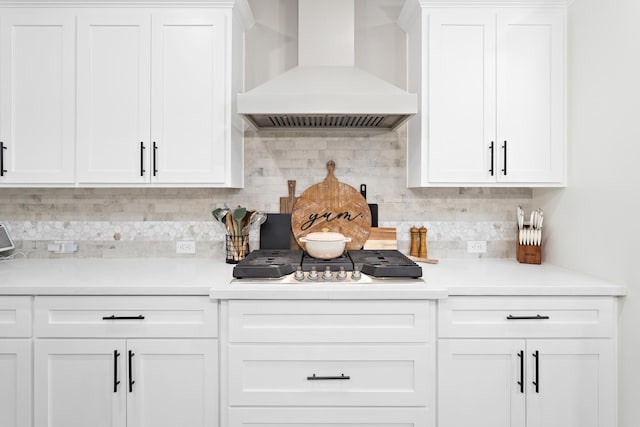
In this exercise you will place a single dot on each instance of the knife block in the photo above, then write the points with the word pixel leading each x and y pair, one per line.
pixel 528 254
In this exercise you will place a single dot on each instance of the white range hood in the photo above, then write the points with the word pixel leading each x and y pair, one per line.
pixel 326 90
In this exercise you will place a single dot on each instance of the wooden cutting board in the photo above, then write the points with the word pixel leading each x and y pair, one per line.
pixel 286 203
pixel 334 205
pixel 382 238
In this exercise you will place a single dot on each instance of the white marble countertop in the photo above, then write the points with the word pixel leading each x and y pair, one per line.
pixel 199 276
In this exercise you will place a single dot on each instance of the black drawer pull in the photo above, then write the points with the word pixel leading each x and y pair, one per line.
pixel 491 147
pixel 116 381
pixel 131 381
pixel 341 377
pixel 114 317
pixel 142 148
pixel 536 317
pixel 521 382
pixel 2 169
pixel 536 383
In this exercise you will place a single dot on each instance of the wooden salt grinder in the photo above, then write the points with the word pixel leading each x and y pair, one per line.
pixel 422 252
pixel 414 242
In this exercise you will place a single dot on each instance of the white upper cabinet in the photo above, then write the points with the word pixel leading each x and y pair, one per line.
pixel 154 99
pixel 141 94
pixel 37 78
pixel 188 99
pixel 491 83
pixel 114 93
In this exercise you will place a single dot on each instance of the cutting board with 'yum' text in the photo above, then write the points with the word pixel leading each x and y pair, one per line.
pixel 334 205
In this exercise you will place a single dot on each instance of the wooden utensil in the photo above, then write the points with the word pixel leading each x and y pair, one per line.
pixel 286 203
pixel 334 205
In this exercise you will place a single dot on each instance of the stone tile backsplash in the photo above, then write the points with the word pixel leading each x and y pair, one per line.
pixel 124 222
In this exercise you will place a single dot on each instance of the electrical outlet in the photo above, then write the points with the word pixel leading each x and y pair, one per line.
pixel 186 247
pixel 477 246
pixel 62 247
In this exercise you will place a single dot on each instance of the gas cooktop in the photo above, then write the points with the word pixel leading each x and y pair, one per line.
pixel 291 266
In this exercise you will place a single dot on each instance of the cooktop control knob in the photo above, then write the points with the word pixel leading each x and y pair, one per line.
pixel 356 273
pixel 313 274
pixel 328 275
pixel 342 275
pixel 299 274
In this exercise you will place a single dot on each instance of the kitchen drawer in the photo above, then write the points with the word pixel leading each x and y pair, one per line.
pixel 125 317
pixel 526 317
pixel 331 417
pixel 15 317
pixel 331 321
pixel 331 375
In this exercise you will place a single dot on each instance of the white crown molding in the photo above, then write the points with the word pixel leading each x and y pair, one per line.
pixel 491 3
pixel 241 5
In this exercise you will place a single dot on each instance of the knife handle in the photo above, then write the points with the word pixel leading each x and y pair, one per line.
pixel 363 190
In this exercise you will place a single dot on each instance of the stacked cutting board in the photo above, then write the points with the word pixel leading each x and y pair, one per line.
pixel 286 207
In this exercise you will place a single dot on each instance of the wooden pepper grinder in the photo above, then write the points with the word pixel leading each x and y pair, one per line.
pixel 414 241
pixel 422 252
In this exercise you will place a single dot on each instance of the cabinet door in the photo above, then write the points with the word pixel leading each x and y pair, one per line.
pixel 461 97
pixel 576 383
pixel 15 386
pixel 37 108
pixel 176 383
pixel 188 104
pixel 114 84
pixel 530 108
pixel 75 383
pixel 479 383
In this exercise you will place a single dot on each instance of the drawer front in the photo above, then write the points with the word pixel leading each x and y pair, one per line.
pixel 331 417
pixel 331 321
pixel 15 317
pixel 125 317
pixel 326 375
pixel 526 317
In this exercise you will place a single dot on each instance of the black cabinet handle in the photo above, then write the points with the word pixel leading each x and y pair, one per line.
pixel 504 148
pixel 155 150
pixel 115 371
pixel 341 377
pixel 114 317
pixel 491 147
pixel 536 317
pixel 521 382
pixel 131 381
pixel 2 169
pixel 536 383
pixel 142 148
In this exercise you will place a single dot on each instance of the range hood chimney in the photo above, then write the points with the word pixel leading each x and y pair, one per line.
pixel 326 90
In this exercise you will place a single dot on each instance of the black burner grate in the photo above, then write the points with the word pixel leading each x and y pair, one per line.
pixel 268 264
pixel 385 263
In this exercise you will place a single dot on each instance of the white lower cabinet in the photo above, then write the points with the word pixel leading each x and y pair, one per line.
pixel 117 381
pixel 328 363
pixel 329 375
pixel 330 417
pixel 526 380
pixel 15 361
pixel 15 386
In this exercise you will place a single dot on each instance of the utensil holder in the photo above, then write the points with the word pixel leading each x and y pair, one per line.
pixel 237 248
pixel 528 254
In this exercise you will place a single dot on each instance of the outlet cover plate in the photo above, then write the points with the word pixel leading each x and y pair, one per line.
pixel 186 247
pixel 477 246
